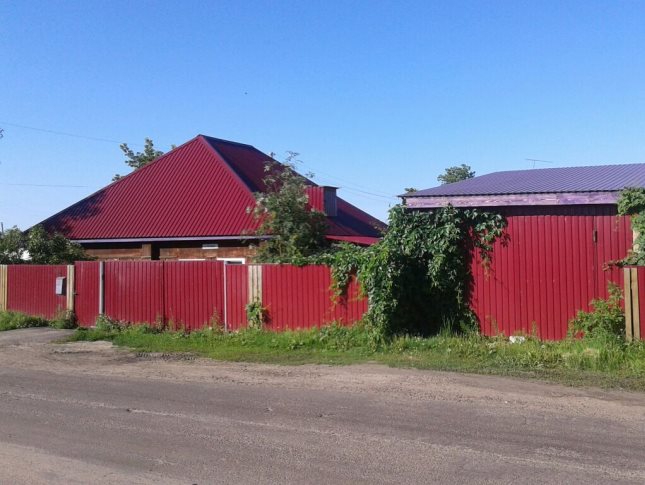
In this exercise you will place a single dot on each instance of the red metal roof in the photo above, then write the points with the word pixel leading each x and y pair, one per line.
pixel 200 189
pixel 360 240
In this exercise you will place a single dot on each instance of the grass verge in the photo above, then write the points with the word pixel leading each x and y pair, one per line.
pixel 16 320
pixel 603 362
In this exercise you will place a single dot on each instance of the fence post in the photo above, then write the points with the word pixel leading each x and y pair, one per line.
pixel 632 304
pixel 255 283
pixel 225 298
pixel 4 288
pixel 70 288
pixel 101 288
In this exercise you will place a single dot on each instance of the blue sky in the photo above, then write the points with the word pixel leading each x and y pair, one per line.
pixel 375 96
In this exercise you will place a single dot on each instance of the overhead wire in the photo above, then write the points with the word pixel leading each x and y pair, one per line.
pixel 63 133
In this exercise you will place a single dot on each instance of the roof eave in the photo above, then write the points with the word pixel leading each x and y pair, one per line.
pixel 503 200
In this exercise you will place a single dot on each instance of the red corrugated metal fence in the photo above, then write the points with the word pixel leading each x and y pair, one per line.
pixel 32 290
pixel 196 294
pixel 134 291
pixel 553 264
pixel 193 293
pixel 87 288
pixel 301 297
pixel 237 295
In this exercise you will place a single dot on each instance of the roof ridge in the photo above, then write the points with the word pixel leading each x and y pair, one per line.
pixel 230 142
pixel 226 161
pixel 559 168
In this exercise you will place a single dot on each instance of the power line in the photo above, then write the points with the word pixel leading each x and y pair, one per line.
pixel 538 160
pixel 345 182
pixel 63 133
pixel 46 185
pixel 369 193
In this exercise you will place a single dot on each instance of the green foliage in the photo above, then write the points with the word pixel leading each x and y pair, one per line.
pixel 417 278
pixel 139 159
pixel 606 321
pixel 15 320
pixel 256 315
pixel 632 203
pixel 37 247
pixel 295 230
pixel 44 248
pixel 65 319
pixel 456 174
pixel 13 244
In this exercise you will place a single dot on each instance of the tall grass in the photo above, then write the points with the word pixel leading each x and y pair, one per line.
pixel 16 320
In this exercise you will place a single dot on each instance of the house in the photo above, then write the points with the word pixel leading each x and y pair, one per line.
pixel 192 203
pixel 563 234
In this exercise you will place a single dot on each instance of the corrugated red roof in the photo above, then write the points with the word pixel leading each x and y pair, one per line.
pixel 200 189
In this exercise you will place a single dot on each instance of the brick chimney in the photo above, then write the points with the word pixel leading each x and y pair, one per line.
pixel 323 199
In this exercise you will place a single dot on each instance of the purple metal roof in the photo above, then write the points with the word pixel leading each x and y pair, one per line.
pixel 601 178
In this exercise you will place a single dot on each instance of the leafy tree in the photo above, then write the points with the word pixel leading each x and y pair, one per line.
pixel 410 190
pixel 295 230
pixel 37 247
pixel 140 159
pixel 456 174
pixel 12 246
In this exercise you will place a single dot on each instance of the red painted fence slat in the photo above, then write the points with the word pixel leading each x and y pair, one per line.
pixel 237 288
pixel 86 304
pixel 193 293
pixel 134 291
pixel 32 290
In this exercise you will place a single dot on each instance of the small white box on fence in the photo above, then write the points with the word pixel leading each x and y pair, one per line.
pixel 60 285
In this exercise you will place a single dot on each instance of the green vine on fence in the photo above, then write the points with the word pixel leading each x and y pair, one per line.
pixel 632 203
pixel 417 278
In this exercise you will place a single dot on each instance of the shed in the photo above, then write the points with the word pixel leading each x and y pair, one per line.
pixel 563 233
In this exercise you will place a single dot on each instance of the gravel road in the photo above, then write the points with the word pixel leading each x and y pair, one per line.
pixel 92 413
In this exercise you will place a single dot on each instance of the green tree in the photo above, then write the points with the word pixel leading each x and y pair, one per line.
pixel 294 230
pixel 37 247
pixel 12 246
pixel 456 174
pixel 140 159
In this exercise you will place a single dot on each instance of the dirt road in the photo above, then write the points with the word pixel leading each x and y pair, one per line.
pixel 91 413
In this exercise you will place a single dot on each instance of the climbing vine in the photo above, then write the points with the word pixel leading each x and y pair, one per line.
pixel 632 203
pixel 417 278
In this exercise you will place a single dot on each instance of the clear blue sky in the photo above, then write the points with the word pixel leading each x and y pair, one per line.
pixel 378 95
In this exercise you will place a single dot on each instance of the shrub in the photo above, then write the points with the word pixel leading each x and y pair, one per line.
pixel 606 321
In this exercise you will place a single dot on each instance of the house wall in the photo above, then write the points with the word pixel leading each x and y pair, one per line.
pixel 554 261
pixel 169 250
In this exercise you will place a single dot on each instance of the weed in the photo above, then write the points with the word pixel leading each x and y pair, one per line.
pixel 605 322
pixel 64 319
pixel 15 320
pixel 256 315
